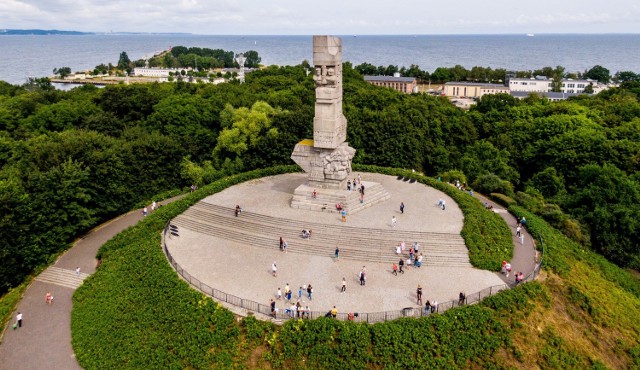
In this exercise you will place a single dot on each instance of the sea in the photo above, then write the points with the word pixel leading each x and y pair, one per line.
pixel 37 56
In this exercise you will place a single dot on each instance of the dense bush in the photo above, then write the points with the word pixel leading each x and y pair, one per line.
pixel 504 200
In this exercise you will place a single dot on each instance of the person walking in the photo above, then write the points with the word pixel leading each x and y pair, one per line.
pixel 78 271
pixel 153 206
pixel 274 269
pixel 281 243
pixel 393 221
pixel 279 293
pixel 394 269
pixel 419 294
pixel 337 253
pixel 309 291
pixel 443 205
pixel 145 211
pixel 300 293
pixel 401 264
pixel 273 308
pixel 344 215
pixel 402 207
pixel 19 319
pixel 344 285
pixel 461 298
pixel 48 298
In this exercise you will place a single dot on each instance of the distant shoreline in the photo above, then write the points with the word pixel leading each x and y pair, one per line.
pixel 38 32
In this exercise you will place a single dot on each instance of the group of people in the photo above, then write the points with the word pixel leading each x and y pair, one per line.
pixel 415 257
pixel 296 309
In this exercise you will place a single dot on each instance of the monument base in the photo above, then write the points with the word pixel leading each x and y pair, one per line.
pixel 325 200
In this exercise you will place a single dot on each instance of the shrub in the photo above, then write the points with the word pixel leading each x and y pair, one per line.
pixel 503 200
pixel 491 183
pixel 452 176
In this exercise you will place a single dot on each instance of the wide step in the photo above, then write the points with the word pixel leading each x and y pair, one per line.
pixel 62 277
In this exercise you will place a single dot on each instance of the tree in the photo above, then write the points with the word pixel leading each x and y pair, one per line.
pixel 558 76
pixel 248 127
pixel 253 59
pixel 588 89
pixel 598 73
pixel 124 61
pixel 625 76
pixel 62 72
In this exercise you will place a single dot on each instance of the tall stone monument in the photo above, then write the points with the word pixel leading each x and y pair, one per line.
pixel 327 158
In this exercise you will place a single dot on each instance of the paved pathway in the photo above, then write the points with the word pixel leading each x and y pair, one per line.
pixel 44 341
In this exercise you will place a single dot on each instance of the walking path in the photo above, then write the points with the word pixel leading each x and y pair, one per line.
pixel 44 340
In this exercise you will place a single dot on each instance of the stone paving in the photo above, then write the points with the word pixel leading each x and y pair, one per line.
pixel 244 270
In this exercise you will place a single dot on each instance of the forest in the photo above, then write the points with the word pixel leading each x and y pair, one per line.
pixel 70 160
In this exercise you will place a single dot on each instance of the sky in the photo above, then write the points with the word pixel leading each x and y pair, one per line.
pixel 345 17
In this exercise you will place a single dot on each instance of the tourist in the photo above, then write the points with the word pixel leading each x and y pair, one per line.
pixel 394 269
pixel 153 206
pixel 279 294
pixel 507 268
pixel 78 271
pixel 359 179
pixel 144 212
pixel 419 260
pixel 334 312
pixel 337 253
pixel 48 298
pixel 403 245
pixel 401 265
pixel 314 194
pixel 344 285
pixel 309 291
pixel 237 211
pixel 427 307
pixel 281 243
pixel 443 205
pixel 434 306
pixel 518 231
pixel 306 234
pixel 504 267
pixel 461 298
pixel 273 308
pixel 402 207
pixel 440 202
pixel 362 189
pixel 362 277
pixel 285 245
pixel 274 269
pixel 351 316
pixel 393 221
pixel 398 250
pixel 419 295
pixel 344 215
pixel 300 293
pixel 19 319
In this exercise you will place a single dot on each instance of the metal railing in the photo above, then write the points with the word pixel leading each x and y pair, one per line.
pixel 369 317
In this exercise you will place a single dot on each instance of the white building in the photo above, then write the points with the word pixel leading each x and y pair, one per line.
pixel 154 72
pixel 473 89
pixel 544 85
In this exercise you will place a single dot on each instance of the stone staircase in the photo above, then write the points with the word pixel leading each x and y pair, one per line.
pixel 374 245
pixel 326 199
pixel 62 277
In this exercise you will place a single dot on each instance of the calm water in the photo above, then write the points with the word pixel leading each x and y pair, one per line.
pixel 38 55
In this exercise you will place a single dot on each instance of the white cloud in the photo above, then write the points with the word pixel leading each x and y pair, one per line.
pixel 330 16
